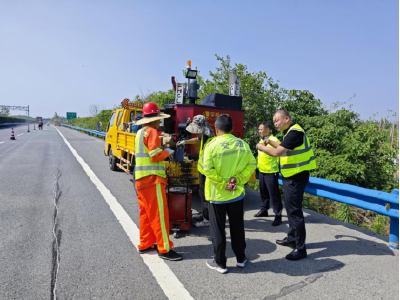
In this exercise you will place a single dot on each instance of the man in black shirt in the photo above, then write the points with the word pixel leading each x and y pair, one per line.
pixel 296 160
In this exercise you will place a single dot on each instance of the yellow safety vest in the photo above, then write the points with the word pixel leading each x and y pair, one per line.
pixel 201 154
pixel 144 166
pixel 299 159
pixel 227 156
pixel 265 162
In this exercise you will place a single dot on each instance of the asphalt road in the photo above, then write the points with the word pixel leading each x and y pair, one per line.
pixel 62 236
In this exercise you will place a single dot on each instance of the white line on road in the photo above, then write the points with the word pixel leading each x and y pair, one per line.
pixel 20 134
pixel 167 280
pixel 1 142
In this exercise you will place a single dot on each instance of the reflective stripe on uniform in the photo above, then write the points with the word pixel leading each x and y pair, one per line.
pixel 160 203
pixel 149 168
pixel 155 151
pixel 298 165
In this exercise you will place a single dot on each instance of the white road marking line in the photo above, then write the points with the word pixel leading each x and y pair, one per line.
pixel 1 142
pixel 167 280
pixel 20 134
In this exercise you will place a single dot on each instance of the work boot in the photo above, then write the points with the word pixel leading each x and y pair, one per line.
pixel 170 255
pixel 151 248
pixel 296 254
pixel 285 242
pixel 261 214
pixel 277 221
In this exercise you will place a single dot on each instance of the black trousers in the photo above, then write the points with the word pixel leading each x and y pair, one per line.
pixel 293 189
pixel 218 214
pixel 202 182
pixel 269 190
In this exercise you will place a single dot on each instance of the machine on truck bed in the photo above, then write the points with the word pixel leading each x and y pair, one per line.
pixel 120 132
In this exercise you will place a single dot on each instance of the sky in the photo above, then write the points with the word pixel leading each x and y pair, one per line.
pixel 64 56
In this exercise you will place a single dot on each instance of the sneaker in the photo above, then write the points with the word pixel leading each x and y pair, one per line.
pixel 203 223
pixel 213 265
pixel 197 217
pixel 241 264
pixel 170 255
pixel 151 248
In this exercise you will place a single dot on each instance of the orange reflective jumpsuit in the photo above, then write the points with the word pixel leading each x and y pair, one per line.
pixel 154 216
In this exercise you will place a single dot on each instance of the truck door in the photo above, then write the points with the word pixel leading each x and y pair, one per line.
pixel 111 132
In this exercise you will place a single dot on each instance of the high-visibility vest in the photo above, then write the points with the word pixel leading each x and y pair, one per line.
pixel 265 162
pixel 201 154
pixel 144 166
pixel 299 159
pixel 231 157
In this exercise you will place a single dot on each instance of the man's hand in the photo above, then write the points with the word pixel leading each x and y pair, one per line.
pixel 180 144
pixel 266 142
pixel 171 152
pixel 231 186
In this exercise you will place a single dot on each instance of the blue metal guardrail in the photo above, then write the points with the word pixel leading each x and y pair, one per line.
pixel 89 131
pixel 13 124
pixel 380 202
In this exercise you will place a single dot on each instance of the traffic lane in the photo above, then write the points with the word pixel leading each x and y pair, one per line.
pixel 196 247
pixel 200 281
pixel 97 258
pixel 5 133
pixel 21 137
pixel 268 272
pixel 26 217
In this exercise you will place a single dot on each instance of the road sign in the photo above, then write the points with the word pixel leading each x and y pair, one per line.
pixel 71 115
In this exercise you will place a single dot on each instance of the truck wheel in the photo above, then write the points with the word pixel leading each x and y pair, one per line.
pixel 112 161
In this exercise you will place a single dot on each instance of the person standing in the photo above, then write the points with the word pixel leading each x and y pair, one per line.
pixel 268 167
pixel 199 125
pixel 296 161
pixel 228 165
pixel 150 182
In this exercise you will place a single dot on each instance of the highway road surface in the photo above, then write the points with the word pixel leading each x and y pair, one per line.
pixel 69 230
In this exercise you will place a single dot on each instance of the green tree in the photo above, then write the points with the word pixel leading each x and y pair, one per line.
pixel 4 112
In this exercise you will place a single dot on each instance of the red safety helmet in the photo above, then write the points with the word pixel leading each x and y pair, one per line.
pixel 150 108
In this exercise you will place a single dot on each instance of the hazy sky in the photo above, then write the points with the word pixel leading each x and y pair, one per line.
pixel 59 56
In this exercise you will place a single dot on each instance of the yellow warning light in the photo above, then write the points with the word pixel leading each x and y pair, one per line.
pixel 189 64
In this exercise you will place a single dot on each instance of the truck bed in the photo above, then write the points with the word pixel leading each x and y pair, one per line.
pixel 126 141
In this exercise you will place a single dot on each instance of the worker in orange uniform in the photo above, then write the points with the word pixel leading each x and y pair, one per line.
pixel 150 182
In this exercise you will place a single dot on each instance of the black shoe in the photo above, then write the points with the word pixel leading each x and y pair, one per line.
pixel 151 248
pixel 171 255
pixel 261 214
pixel 296 255
pixel 277 221
pixel 287 243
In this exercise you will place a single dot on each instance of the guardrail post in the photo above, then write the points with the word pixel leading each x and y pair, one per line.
pixel 394 229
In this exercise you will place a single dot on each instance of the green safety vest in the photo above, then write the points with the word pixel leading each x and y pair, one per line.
pixel 201 154
pixel 299 159
pixel 144 166
pixel 265 162
pixel 230 157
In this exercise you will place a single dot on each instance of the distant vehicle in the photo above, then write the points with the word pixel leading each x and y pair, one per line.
pixel 48 124
pixel 40 122
pixel 56 122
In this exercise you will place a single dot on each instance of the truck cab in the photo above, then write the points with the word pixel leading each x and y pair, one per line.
pixel 119 136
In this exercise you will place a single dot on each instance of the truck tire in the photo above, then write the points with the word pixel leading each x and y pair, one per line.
pixel 112 161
